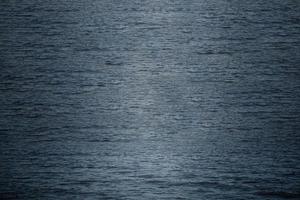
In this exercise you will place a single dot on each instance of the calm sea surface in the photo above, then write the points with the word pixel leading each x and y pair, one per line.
pixel 153 99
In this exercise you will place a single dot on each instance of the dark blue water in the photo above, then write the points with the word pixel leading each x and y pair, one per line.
pixel 154 99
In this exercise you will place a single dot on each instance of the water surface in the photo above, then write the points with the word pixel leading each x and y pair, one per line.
pixel 154 99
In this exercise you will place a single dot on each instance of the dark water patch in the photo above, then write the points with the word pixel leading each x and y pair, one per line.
pixel 279 194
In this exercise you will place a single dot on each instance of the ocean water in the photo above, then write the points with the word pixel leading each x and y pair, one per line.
pixel 152 99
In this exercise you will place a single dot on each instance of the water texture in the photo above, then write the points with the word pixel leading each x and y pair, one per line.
pixel 152 99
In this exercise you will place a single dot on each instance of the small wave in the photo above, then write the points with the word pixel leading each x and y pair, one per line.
pixel 111 63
